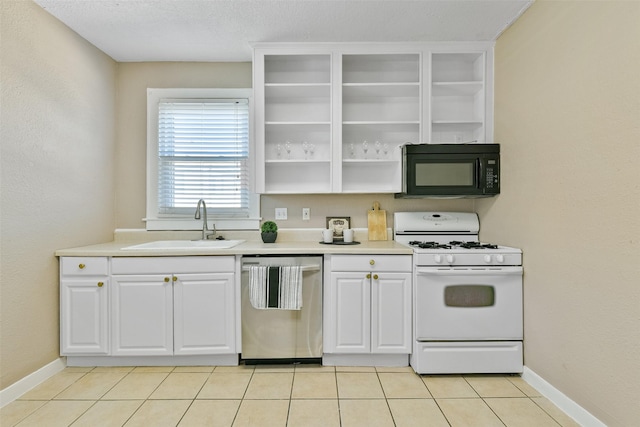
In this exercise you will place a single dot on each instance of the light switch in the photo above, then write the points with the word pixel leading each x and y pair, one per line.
pixel 281 213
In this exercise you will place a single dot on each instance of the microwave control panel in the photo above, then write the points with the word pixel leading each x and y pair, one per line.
pixel 492 176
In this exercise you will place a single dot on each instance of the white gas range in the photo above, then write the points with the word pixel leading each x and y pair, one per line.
pixel 467 306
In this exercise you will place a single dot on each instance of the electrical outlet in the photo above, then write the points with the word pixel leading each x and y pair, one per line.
pixel 306 214
pixel 281 213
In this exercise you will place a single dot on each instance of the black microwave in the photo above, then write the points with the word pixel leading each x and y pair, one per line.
pixel 450 170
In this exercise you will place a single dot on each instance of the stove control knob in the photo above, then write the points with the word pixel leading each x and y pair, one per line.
pixel 500 258
pixel 487 259
pixel 450 259
pixel 437 259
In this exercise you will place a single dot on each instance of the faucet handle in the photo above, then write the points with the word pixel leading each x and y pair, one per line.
pixel 213 232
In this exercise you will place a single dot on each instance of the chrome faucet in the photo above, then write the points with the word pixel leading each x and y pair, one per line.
pixel 205 228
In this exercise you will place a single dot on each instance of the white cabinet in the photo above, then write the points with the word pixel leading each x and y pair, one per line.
pixel 293 118
pixel 330 117
pixel 461 96
pixel 380 111
pixel 368 304
pixel 84 317
pixel 173 306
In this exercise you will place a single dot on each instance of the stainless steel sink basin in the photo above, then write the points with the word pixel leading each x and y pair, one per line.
pixel 184 245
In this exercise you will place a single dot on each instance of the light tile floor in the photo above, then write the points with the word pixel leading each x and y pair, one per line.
pixel 304 395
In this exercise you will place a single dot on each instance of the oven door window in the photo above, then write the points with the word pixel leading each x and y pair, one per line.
pixel 469 296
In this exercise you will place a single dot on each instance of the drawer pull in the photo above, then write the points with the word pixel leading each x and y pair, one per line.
pixel 371 262
pixel 81 266
pixel 166 279
pixel 100 284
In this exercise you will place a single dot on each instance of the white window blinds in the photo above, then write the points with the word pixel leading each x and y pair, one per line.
pixel 203 152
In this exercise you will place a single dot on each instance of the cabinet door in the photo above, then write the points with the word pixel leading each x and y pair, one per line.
pixel 84 316
pixel 204 315
pixel 142 315
pixel 391 313
pixel 349 313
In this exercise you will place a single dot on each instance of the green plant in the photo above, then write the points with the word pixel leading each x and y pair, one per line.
pixel 269 227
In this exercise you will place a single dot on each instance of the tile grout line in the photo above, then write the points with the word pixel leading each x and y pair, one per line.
pixel 194 397
pixel 435 400
pixel 393 420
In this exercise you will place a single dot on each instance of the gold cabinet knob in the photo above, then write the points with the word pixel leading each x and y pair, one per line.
pixel 81 266
pixel 175 279
pixel 100 284
pixel 166 279
pixel 371 262
pixel 369 276
pixel 375 276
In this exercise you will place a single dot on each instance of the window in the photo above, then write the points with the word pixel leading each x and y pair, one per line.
pixel 199 147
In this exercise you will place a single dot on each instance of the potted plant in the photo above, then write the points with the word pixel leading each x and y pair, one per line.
pixel 269 231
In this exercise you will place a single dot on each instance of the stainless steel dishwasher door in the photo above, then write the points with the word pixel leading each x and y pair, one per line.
pixel 270 334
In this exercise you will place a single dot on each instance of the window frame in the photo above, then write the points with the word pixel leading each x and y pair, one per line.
pixel 156 221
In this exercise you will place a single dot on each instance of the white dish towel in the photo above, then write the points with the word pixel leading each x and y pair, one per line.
pixel 258 283
pixel 288 287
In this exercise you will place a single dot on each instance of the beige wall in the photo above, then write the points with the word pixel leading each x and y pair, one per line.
pixel 57 133
pixel 567 108
pixel 131 121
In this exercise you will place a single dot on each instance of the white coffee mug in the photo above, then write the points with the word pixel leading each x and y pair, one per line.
pixel 348 235
pixel 327 236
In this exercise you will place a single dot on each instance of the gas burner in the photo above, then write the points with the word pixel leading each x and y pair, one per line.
pixel 429 245
pixel 474 245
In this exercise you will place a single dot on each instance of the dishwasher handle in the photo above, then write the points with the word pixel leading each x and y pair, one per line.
pixel 246 267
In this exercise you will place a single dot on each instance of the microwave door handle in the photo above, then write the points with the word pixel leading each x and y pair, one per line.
pixel 479 183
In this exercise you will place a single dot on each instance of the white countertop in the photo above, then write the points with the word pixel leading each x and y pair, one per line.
pixel 290 241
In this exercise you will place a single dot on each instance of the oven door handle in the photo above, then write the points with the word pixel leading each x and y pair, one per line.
pixel 468 271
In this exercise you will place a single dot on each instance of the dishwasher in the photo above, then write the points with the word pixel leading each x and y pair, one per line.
pixel 283 336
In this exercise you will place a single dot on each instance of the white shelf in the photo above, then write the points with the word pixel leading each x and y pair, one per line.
pixel 317 90
pixel 456 88
pixel 380 90
pixel 302 124
pixel 290 69
pixel 381 123
pixel 458 122
pixel 378 68
pixel 296 161
pixel 379 161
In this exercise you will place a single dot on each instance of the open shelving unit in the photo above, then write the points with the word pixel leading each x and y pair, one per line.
pixel 458 97
pixel 322 101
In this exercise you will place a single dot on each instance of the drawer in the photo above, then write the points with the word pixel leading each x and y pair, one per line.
pixel 172 265
pixel 371 263
pixel 84 266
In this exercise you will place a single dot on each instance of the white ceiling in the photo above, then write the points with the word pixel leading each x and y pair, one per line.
pixel 222 30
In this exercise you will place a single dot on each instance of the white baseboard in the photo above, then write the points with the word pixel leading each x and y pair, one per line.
pixel 568 406
pixel 22 386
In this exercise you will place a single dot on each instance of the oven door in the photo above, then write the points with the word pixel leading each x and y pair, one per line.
pixel 468 303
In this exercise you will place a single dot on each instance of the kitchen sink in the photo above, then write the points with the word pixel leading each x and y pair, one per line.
pixel 184 245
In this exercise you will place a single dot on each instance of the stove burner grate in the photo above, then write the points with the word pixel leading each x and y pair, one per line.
pixel 454 243
pixel 475 245
pixel 429 245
